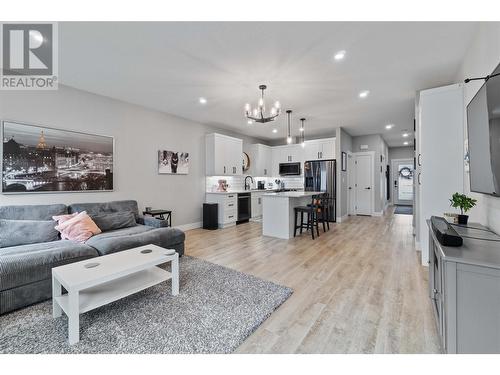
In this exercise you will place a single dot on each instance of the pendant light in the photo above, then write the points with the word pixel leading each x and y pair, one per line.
pixel 289 126
pixel 302 132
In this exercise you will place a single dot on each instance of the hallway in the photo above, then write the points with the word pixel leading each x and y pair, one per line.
pixel 358 288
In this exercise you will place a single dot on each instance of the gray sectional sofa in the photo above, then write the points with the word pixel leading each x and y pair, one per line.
pixel 25 270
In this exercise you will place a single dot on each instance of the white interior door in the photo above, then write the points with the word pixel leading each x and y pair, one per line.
pixel 364 184
pixel 402 181
pixel 351 194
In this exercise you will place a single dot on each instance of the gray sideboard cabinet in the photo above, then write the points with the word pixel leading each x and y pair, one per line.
pixel 464 286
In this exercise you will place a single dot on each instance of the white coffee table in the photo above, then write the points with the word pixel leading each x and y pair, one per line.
pixel 116 276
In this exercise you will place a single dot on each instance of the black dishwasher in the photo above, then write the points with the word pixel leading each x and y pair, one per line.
pixel 244 207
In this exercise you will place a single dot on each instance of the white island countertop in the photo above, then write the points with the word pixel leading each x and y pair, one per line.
pixel 278 211
pixel 293 194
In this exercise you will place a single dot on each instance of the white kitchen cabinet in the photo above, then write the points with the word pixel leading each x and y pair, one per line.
pixel 235 156
pixel 223 155
pixel 260 161
pixel 286 154
pixel 257 204
pixel 319 149
pixel 439 126
pixel 227 207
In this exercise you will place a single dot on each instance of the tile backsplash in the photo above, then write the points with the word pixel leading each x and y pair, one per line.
pixel 238 182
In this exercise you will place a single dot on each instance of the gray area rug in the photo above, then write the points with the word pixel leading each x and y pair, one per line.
pixel 216 310
pixel 404 210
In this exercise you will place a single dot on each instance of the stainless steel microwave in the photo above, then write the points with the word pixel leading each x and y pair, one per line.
pixel 289 169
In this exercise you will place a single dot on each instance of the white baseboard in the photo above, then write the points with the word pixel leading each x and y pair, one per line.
pixel 342 218
pixel 185 227
pixel 377 213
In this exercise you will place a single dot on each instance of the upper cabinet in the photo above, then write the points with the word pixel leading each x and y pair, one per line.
pixel 286 154
pixel 223 155
pixel 320 149
pixel 260 161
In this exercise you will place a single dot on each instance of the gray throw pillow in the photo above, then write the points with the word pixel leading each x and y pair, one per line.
pixel 25 232
pixel 115 220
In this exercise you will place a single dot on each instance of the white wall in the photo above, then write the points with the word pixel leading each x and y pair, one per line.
pixel 401 153
pixel 139 133
pixel 482 57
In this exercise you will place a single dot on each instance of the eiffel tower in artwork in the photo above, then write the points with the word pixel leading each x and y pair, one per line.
pixel 41 142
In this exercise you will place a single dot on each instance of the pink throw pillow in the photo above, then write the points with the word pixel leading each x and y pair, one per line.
pixel 62 218
pixel 78 228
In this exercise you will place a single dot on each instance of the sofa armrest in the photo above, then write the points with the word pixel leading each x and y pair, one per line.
pixel 152 222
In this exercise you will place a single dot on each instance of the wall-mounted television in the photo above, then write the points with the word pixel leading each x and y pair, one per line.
pixel 483 125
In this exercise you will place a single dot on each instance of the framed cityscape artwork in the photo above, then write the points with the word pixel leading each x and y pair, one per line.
pixel 38 159
pixel 173 162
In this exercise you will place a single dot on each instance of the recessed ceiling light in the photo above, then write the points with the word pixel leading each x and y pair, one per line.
pixel 363 94
pixel 203 100
pixel 405 143
pixel 339 55
pixel 406 135
pixel 249 122
pixel 389 126
pixel 275 130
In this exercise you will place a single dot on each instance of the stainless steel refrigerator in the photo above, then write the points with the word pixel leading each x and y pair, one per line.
pixel 320 175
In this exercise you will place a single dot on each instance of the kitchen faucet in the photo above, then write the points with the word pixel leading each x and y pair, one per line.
pixel 247 186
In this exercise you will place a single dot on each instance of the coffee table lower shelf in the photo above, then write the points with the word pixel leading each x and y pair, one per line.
pixel 114 290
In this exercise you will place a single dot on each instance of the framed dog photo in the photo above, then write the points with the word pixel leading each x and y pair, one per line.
pixel 173 162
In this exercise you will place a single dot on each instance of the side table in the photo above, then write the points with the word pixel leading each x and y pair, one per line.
pixel 161 215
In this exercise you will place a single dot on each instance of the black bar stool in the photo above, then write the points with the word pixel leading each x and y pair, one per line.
pixel 324 208
pixel 312 217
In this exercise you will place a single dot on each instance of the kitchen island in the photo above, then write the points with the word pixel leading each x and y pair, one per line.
pixel 278 212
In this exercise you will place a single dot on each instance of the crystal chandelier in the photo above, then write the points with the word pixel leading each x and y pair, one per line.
pixel 258 114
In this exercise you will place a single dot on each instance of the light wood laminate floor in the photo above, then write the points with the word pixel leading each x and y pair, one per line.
pixel 358 288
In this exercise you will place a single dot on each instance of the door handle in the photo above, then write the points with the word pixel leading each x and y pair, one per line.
pixel 224 169
pixel 418 179
pixel 368 188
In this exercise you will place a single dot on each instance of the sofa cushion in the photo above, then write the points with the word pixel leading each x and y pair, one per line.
pixel 24 232
pixel 94 209
pixel 78 228
pixel 116 220
pixel 20 265
pixel 127 238
pixel 32 212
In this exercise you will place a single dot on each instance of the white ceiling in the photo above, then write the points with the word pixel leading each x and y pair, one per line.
pixel 167 66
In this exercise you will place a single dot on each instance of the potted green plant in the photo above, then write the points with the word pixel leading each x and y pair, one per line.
pixel 463 202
